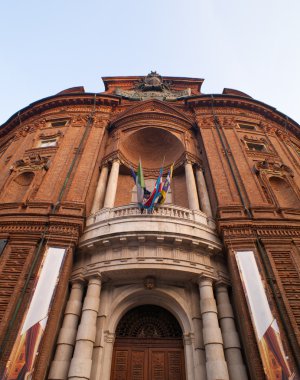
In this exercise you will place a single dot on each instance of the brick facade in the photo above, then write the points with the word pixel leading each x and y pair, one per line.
pixel 249 172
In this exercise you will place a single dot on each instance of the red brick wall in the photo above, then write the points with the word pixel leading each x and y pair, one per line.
pixel 179 191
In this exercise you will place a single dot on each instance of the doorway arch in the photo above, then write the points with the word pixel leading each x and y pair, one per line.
pixel 148 346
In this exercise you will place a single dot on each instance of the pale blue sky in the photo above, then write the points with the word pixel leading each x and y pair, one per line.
pixel 252 46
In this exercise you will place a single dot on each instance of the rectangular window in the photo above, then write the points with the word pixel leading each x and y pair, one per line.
pixel 59 123
pixel 2 245
pixel 48 143
pixel 247 127
pixel 256 147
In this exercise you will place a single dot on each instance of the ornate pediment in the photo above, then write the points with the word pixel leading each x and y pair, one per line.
pixel 153 86
pixel 153 108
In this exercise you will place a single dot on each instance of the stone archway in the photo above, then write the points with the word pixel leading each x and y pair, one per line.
pixel 148 346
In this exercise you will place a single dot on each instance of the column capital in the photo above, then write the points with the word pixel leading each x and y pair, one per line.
pixel 188 339
pixel 222 284
pixel 109 337
pixel 109 160
pixel 95 276
pixel 202 279
pixel 116 159
pixel 77 279
pixel 199 167
pixel 188 161
pixel 78 284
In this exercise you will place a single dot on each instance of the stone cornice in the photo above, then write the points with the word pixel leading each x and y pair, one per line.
pixel 44 104
pixel 66 231
pixel 251 231
pixel 248 104
pixel 69 226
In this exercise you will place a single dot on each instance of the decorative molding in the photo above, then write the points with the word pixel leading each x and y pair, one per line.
pixel 153 110
pixel 149 282
pixel 270 167
pixel 248 231
pixel 51 134
pixel 32 162
pixel 237 103
pixel 57 101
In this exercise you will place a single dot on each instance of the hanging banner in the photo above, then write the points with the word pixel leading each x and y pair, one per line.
pixel 20 364
pixel 275 362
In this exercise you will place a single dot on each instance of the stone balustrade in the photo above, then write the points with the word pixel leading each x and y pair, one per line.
pixel 130 210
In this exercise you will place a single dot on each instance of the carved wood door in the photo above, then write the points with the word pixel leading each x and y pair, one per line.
pixel 147 363
pixel 148 346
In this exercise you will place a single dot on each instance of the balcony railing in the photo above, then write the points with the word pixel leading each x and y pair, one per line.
pixel 169 211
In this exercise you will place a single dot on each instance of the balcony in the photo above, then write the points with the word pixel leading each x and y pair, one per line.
pixel 173 238
pixel 170 223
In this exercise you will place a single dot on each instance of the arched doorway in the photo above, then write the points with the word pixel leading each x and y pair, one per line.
pixel 148 346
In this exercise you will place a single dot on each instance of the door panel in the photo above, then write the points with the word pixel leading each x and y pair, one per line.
pixel 175 365
pixel 120 367
pixel 157 365
pixel 139 361
pixel 147 363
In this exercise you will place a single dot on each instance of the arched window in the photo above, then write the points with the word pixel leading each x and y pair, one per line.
pixel 285 195
pixel 18 187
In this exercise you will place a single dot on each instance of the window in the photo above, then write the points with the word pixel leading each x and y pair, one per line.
pixel 59 123
pixel 48 143
pixel 247 127
pixel 2 245
pixel 256 147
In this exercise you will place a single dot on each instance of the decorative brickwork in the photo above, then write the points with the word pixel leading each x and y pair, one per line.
pixel 235 186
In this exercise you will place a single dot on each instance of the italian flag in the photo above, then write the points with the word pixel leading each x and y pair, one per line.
pixel 140 184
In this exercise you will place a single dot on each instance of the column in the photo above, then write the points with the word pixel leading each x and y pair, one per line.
pixel 236 368
pixel 109 340
pixel 66 339
pixel 191 186
pixel 81 363
pixel 189 357
pixel 216 366
pixel 112 185
pixel 203 193
pixel 100 191
pixel 200 367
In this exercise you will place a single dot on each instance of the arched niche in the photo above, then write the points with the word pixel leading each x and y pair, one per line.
pixel 284 193
pixel 154 146
pixel 18 187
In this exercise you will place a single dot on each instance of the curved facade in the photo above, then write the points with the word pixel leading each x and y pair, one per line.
pixel 88 283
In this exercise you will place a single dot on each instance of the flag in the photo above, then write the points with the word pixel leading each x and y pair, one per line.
pixel 147 193
pixel 148 202
pixel 140 185
pixel 156 191
pixel 166 186
pixel 133 174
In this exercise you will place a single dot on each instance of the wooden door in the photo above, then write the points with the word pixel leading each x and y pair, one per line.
pixel 146 360
pixel 148 346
